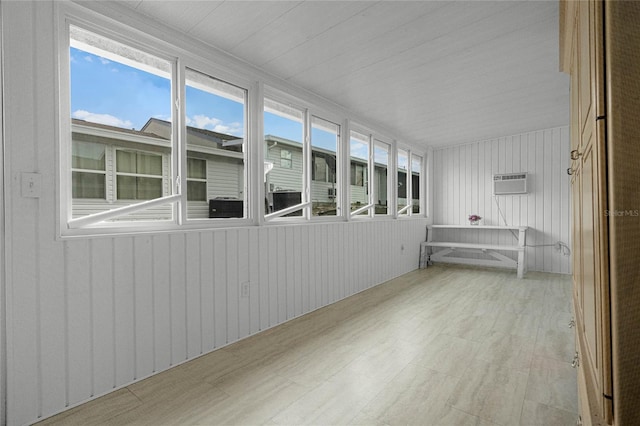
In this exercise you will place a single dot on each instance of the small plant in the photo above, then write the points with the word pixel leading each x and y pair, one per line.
pixel 474 218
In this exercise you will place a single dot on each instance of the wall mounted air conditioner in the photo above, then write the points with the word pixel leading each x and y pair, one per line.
pixel 510 183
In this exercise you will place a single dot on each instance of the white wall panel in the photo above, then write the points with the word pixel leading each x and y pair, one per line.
pixel 463 185
pixel 133 306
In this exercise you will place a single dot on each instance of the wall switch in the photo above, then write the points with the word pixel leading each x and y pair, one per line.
pixel 31 185
pixel 244 289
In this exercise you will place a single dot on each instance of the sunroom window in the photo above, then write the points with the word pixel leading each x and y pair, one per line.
pixel 403 182
pixel 115 91
pixel 284 148
pixel 215 128
pixel 416 170
pixel 325 136
pixel 358 173
pixel 381 154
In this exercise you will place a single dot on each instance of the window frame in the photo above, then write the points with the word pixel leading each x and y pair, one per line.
pixel 308 112
pixel 421 193
pixel 288 158
pixel 282 215
pixel 154 39
pixel 405 211
pixel 333 119
pixel 74 15
pixel 376 140
pixel 191 63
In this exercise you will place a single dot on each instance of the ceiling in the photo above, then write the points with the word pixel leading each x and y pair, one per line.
pixel 432 72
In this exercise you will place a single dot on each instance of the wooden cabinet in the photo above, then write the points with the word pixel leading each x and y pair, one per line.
pixel 600 46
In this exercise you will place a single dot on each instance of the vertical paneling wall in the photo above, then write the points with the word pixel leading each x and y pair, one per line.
pixel 87 315
pixel 463 185
pixel 112 310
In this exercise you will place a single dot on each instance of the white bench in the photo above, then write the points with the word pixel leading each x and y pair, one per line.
pixel 497 259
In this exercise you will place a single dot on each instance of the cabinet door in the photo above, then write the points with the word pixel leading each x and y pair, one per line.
pixel 585 67
pixel 590 222
pixel 589 324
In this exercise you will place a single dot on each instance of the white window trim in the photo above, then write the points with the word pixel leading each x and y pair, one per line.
pixel 390 175
pixel 374 137
pixel 153 37
pixel 69 14
pixel 323 114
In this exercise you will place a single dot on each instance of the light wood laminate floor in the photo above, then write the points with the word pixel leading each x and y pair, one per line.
pixel 447 345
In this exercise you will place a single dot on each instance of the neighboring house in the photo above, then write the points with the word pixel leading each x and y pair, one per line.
pixel 114 167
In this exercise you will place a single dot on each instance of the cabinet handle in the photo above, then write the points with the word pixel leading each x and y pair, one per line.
pixel 576 361
pixel 572 323
pixel 575 154
pixel 569 171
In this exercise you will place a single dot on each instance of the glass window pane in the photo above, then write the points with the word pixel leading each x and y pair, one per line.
pixel 138 188
pixel 196 168
pixel 324 144
pixel 125 161
pixel 88 156
pixel 381 179
pixel 416 169
pixel 196 191
pixel 215 117
pixel 120 97
pixel 88 185
pixel 286 161
pixel 359 169
pixel 284 150
pixel 126 188
pixel 149 164
pixel 148 188
pixel 403 166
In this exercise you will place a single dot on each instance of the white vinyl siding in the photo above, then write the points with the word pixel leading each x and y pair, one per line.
pixel 285 178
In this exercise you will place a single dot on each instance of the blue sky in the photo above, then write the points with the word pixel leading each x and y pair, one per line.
pixel 109 92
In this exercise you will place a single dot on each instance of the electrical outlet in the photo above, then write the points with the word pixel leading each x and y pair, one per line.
pixel 244 289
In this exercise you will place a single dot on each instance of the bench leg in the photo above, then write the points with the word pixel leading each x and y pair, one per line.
pixel 520 264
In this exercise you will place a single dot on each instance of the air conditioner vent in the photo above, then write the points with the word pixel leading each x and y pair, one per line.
pixel 511 183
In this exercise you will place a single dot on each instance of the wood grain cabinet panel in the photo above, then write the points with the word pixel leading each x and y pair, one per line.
pixel 600 49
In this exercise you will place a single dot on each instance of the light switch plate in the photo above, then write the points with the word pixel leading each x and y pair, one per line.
pixel 31 185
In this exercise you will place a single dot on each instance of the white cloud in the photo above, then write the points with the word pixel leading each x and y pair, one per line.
pixel 211 123
pixel 203 122
pixel 88 58
pixel 104 61
pixel 107 119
